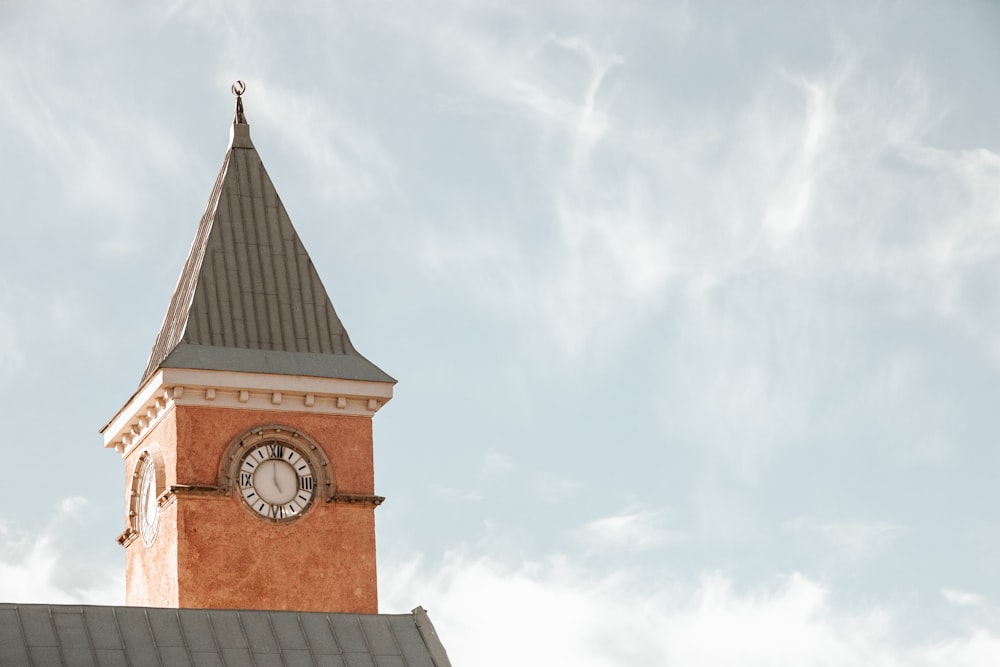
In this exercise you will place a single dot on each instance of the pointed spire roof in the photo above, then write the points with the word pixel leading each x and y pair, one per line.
pixel 249 298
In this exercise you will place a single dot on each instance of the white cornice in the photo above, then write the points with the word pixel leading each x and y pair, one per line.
pixel 243 391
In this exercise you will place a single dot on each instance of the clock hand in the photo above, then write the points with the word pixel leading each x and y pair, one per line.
pixel 274 471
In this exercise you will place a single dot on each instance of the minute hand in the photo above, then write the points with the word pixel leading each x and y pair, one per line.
pixel 274 476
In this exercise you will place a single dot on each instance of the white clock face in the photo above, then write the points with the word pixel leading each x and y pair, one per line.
pixel 276 480
pixel 147 509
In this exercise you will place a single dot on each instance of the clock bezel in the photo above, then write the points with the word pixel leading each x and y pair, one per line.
pixel 146 478
pixel 293 440
pixel 276 452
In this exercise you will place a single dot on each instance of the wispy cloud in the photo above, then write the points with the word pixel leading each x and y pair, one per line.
pixel 32 102
pixel 632 529
pixel 36 312
pixel 12 353
pixel 497 462
pixel 462 494
pixel 962 598
pixel 790 204
pixel 810 190
pixel 555 79
pixel 349 163
pixel 77 136
pixel 852 541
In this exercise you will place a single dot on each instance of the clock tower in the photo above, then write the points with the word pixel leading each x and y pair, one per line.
pixel 249 480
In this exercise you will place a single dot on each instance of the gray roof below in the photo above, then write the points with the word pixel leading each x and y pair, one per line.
pixel 42 634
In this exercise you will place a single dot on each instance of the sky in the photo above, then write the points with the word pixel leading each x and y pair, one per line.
pixel 693 306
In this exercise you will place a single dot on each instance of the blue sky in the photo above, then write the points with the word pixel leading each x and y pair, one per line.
pixel 693 305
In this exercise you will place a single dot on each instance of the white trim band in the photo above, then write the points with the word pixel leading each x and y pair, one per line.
pixel 245 391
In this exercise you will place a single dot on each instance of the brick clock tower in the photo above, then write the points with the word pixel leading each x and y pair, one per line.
pixel 249 479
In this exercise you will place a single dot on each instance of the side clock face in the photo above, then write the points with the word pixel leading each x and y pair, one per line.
pixel 276 480
pixel 147 510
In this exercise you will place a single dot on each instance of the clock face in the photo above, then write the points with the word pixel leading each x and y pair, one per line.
pixel 276 480
pixel 147 510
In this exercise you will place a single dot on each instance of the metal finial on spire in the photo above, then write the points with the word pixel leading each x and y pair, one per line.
pixel 238 89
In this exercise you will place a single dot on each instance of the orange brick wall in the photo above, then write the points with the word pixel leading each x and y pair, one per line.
pixel 151 572
pixel 207 432
pixel 231 559
pixel 213 552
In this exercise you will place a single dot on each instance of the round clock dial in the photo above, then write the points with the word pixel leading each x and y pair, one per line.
pixel 147 510
pixel 276 480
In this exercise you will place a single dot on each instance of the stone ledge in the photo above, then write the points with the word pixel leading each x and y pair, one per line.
pixel 356 499
pixel 127 537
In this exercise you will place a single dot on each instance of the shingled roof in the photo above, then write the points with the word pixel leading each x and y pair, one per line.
pixel 42 635
pixel 249 298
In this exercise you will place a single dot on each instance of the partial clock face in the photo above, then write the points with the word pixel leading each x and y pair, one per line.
pixel 276 480
pixel 147 510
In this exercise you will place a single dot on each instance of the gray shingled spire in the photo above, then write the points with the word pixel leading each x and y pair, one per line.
pixel 249 298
